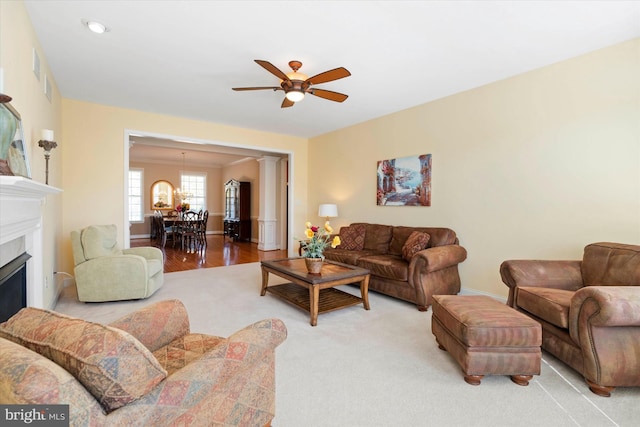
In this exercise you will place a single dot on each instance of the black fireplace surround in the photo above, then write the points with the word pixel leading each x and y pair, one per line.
pixel 13 286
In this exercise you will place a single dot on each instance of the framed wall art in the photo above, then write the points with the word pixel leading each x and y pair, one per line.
pixel 405 181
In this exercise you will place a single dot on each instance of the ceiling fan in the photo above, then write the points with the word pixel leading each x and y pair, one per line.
pixel 295 84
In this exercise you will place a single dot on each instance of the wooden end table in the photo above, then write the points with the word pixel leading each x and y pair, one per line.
pixel 316 293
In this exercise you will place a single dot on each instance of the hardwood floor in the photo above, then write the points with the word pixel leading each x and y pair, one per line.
pixel 219 251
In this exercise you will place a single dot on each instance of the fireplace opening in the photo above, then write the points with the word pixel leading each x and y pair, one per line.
pixel 13 286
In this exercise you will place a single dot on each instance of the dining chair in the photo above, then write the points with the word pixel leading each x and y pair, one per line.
pixel 153 231
pixel 160 231
pixel 188 230
pixel 170 224
pixel 153 234
pixel 167 231
pixel 202 229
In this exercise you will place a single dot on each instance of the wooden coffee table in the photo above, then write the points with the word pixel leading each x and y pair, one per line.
pixel 315 293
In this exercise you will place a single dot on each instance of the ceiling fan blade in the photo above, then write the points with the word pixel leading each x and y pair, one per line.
pixel 286 103
pixel 257 88
pixel 272 69
pixel 329 76
pixel 328 94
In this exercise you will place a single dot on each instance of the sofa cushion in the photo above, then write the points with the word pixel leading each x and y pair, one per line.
pixel 376 237
pixel 549 304
pixel 611 264
pixel 352 237
pixel 156 325
pixel 184 350
pixel 346 256
pixel 439 237
pixel 113 366
pixel 386 266
pixel 29 378
pixel 100 240
pixel 400 234
pixel 416 242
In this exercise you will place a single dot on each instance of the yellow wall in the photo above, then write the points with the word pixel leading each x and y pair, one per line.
pixel 17 42
pixel 94 159
pixel 535 166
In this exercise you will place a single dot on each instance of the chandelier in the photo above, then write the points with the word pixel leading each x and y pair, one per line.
pixel 182 196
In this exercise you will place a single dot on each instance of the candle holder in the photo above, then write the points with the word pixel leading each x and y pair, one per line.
pixel 48 146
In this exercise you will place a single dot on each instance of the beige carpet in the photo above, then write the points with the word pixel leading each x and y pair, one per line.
pixel 372 368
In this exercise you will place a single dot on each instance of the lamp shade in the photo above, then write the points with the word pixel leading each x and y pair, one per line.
pixel 295 95
pixel 47 135
pixel 328 211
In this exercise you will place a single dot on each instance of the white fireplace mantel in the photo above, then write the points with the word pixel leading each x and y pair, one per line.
pixel 21 201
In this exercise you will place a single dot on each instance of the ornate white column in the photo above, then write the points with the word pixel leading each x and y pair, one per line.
pixel 267 220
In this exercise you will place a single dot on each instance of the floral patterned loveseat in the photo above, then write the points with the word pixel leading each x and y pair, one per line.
pixel 146 368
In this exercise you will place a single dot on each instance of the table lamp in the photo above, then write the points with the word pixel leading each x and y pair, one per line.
pixel 328 211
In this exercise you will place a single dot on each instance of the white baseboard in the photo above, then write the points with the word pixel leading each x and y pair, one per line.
pixel 140 236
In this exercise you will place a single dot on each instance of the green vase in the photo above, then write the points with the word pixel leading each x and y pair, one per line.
pixel 8 126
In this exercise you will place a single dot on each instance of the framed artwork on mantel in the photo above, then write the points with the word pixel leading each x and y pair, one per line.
pixel 13 153
pixel 405 181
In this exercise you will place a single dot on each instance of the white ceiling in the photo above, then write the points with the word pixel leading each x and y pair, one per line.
pixel 181 58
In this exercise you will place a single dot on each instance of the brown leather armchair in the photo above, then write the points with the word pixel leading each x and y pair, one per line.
pixel 589 311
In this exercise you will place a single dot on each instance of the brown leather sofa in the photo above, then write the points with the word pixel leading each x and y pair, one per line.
pixel 589 311
pixel 430 271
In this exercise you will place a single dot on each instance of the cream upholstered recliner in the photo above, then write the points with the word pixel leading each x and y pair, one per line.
pixel 589 310
pixel 104 272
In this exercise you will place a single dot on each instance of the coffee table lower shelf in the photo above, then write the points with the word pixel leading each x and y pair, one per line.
pixel 330 298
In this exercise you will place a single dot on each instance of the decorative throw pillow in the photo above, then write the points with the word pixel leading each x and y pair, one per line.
pixel 416 242
pixel 352 238
pixel 112 365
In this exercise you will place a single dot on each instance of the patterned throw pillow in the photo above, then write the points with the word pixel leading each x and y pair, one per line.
pixel 112 365
pixel 352 238
pixel 416 242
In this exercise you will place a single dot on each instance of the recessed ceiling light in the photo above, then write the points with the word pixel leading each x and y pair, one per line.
pixel 95 26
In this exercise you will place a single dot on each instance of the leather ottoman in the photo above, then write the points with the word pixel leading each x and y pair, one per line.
pixel 487 337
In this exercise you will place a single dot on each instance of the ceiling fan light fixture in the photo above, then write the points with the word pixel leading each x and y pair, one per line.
pixel 295 95
pixel 295 84
pixel 297 76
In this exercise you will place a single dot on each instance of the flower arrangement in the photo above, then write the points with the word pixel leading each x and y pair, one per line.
pixel 183 207
pixel 319 239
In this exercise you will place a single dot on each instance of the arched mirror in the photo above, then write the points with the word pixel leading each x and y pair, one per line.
pixel 162 195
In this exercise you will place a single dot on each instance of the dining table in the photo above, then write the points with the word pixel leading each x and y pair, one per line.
pixel 184 229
